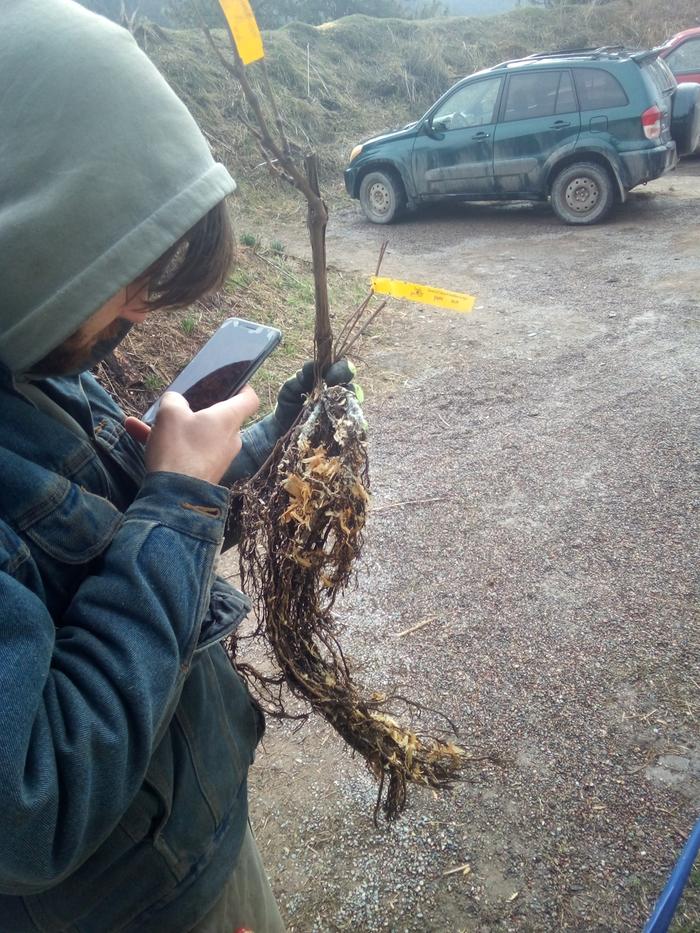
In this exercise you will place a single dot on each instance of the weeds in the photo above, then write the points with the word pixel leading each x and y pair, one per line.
pixel 153 383
pixel 240 277
pixel 188 325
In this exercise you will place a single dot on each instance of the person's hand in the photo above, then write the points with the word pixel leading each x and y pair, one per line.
pixel 295 390
pixel 201 444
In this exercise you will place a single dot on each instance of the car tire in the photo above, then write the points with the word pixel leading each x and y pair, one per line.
pixel 382 197
pixel 685 118
pixel 582 193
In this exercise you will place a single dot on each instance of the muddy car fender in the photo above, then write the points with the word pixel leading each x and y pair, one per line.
pixel 601 156
pixel 387 165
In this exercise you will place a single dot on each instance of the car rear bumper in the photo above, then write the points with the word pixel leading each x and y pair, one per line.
pixel 642 165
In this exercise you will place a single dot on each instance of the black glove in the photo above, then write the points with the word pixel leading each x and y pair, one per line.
pixel 294 392
pixel 260 438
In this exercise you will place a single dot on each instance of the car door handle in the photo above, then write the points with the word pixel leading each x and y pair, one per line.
pixel 481 135
pixel 559 125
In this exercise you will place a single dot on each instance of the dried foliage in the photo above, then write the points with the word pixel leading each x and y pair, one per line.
pixel 303 519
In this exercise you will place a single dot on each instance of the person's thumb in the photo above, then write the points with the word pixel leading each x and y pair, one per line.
pixel 137 429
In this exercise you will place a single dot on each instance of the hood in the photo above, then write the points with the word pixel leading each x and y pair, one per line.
pixel 408 130
pixel 102 169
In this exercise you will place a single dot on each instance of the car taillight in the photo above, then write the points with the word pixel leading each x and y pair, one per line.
pixel 651 122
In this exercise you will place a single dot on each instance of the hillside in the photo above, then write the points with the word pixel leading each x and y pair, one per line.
pixel 358 76
pixel 479 7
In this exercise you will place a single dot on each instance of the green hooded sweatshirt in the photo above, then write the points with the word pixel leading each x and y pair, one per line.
pixel 102 169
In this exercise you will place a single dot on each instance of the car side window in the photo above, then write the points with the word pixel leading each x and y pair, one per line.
pixel 598 89
pixel 531 95
pixel 471 105
pixel 685 58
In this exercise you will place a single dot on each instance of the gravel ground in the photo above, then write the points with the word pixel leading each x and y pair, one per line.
pixel 535 497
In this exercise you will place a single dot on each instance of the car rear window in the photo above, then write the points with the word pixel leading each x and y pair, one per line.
pixel 598 89
pixel 539 94
pixel 661 75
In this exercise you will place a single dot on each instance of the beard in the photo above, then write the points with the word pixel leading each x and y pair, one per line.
pixel 77 354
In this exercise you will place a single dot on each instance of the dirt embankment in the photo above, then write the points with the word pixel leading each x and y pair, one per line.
pixel 535 479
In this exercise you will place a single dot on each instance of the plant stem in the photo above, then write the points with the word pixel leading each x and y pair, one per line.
pixel 317 219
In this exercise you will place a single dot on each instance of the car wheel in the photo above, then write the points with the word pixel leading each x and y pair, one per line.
pixel 381 196
pixel 582 193
pixel 685 118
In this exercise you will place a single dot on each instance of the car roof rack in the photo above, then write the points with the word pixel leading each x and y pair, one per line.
pixel 603 51
pixel 593 51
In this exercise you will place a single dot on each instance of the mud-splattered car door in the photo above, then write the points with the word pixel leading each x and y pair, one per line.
pixel 539 124
pixel 453 153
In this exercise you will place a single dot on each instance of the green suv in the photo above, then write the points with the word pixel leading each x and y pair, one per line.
pixel 579 127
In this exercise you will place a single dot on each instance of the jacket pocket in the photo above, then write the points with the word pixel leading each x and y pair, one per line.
pixel 215 731
pixel 111 887
pixel 228 607
pixel 16 560
pixel 74 526
pixel 66 530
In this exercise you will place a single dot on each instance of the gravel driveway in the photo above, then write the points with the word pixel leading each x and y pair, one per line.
pixel 535 499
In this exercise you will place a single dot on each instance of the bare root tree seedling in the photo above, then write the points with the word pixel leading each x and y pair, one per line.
pixel 303 516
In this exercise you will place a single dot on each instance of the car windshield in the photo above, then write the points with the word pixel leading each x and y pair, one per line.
pixel 686 57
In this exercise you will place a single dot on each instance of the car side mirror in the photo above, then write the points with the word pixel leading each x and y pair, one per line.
pixel 434 128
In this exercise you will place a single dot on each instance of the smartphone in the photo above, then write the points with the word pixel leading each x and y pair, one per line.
pixel 223 365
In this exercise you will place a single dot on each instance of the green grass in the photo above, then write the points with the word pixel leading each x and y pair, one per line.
pixel 188 325
pixel 153 383
pixel 687 918
pixel 240 278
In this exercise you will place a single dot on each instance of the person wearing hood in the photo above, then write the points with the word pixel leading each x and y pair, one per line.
pixel 125 733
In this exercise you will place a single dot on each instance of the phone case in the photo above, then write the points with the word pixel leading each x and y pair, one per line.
pixel 224 365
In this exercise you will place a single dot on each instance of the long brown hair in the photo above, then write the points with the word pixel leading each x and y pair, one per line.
pixel 194 266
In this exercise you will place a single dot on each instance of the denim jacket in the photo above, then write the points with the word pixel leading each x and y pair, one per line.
pixel 125 734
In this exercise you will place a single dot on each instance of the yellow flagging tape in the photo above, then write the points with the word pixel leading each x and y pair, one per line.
pixel 244 29
pixel 440 297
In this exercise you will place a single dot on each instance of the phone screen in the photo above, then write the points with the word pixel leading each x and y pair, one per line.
pixel 224 364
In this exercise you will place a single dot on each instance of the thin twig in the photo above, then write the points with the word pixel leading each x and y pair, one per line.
pixel 280 269
pixel 352 339
pixel 218 142
pixel 400 505
pixel 351 320
pixel 237 69
pixel 465 869
pixel 414 628
pixel 382 250
pixel 275 111
pixel 351 331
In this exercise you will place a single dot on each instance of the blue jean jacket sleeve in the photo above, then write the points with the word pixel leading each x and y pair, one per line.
pixel 83 704
pixel 258 443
